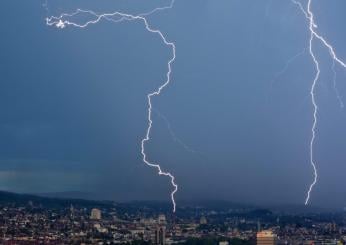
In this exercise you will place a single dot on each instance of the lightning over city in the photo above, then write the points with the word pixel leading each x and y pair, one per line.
pixel 161 122
pixel 172 122
pixel 63 21
pixel 69 19
pixel 316 36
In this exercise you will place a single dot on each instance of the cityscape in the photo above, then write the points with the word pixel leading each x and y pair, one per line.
pixel 41 220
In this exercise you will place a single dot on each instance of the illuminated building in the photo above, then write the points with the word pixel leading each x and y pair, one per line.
pixel 266 238
pixel 95 214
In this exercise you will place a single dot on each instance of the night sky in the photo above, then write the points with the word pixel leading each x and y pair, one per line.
pixel 230 126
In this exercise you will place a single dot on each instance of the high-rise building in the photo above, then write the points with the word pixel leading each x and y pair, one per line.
pixel 160 235
pixel 162 219
pixel 203 220
pixel 95 214
pixel 266 238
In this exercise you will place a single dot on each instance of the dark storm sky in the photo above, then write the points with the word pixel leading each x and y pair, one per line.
pixel 73 102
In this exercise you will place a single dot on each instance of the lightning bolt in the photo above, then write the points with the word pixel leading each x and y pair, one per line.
pixel 314 35
pixel 45 5
pixel 63 21
pixel 338 96
pixel 287 64
pixel 172 133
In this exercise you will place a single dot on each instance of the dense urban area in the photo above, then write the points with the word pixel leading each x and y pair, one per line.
pixel 26 219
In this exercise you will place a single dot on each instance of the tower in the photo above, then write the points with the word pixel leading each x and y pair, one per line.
pixel 258 226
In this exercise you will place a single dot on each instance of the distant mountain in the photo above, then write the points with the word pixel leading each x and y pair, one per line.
pixel 281 208
pixel 299 209
pixel 23 199
pixel 70 195
pixel 216 204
